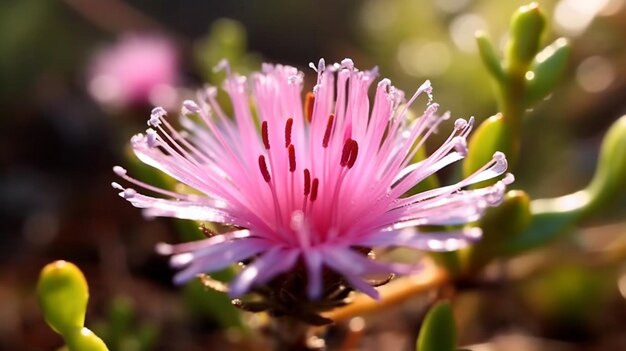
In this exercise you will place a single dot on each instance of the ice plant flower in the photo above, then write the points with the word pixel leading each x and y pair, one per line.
pixel 309 184
pixel 138 69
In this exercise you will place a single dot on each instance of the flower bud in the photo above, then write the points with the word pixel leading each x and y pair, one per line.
pixel 63 295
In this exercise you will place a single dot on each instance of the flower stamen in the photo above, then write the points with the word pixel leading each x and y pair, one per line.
pixel 329 127
pixel 349 153
pixel 314 185
pixel 263 167
pixel 292 158
pixel 307 182
pixel 265 135
pixel 309 103
pixel 288 128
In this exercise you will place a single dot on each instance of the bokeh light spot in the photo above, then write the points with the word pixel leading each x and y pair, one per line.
pixel 595 74
pixel 419 58
pixel 572 17
pixel 462 31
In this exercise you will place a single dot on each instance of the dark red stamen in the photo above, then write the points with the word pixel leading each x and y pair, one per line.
pixel 292 158
pixel 307 181
pixel 263 168
pixel 349 153
pixel 329 128
pixel 316 183
pixel 265 136
pixel 288 127
pixel 354 151
pixel 309 102
pixel 345 153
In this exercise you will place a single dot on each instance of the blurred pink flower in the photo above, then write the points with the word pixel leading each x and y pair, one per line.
pixel 307 185
pixel 138 69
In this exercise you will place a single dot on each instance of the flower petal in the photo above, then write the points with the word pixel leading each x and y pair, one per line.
pixel 313 261
pixel 275 261
pixel 442 241
pixel 217 257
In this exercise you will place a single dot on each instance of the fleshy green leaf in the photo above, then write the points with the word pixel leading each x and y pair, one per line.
pixel 438 331
pixel 500 224
pixel 527 25
pixel 489 56
pixel 553 217
pixel 83 339
pixel 546 70
pixel 494 134
pixel 63 296
pixel 543 228
pixel 610 178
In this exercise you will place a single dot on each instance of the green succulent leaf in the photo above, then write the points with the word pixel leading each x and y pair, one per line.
pixel 609 180
pixel 500 225
pixel 555 216
pixel 63 296
pixel 490 58
pixel 494 134
pixel 438 331
pixel 546 70
pixel 527 25
pixel 543 228
pixel 83 339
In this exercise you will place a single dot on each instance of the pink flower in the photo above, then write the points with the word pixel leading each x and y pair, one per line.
pixel 137 69
pixel 306 185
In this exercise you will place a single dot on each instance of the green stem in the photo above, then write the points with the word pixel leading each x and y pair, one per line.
pixel 512 107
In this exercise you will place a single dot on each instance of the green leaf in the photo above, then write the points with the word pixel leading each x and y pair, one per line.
pixel 543 228
pixel 63 296
pixel 500 225
pixel 527 25
pixel 494 134
pixel 546 70
pixel 554 217
pixel 84 339
pixel 609 181
pixel 489 57
pixel 438 331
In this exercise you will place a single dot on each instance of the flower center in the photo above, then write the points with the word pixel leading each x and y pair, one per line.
pixel 293 194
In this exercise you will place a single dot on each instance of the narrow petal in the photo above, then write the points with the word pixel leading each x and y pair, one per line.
pixel 275 261
pixel 219 257
pixel 166 249
pixel 431 241
pixel 354 267
pixel 313 261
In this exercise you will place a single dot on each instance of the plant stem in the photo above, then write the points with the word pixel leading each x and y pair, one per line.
pixel 512 106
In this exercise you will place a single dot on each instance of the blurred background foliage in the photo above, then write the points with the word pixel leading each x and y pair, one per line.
pixel 61 136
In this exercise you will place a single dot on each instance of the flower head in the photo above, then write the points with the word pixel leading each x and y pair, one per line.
pixel 309 185
pixel 139 68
